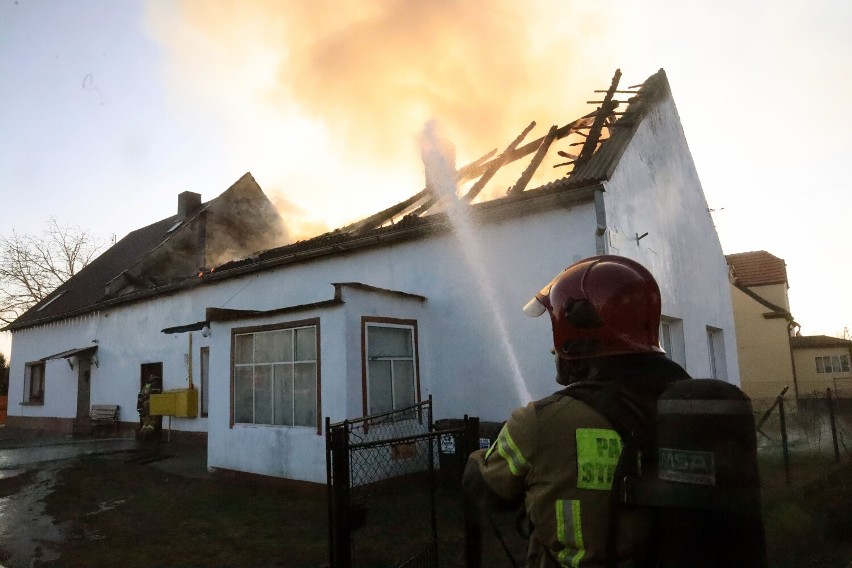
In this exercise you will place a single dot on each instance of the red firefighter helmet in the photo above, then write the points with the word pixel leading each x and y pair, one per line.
pixel 603 305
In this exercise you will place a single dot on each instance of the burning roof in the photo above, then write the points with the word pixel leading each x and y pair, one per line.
pixel 586 161
pixel 179 251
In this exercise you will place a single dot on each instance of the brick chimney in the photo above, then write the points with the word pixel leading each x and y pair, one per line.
pixel 188 203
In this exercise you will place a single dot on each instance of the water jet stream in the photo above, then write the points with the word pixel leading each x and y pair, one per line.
pixel 438 157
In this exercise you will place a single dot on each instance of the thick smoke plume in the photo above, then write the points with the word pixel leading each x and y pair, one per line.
pixel 352 83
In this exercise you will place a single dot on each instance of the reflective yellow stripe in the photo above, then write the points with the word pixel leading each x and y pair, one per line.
pixel 507 448
pixel 569 532
pixel 598 450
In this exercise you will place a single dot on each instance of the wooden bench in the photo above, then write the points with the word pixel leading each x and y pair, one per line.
pixel 104 415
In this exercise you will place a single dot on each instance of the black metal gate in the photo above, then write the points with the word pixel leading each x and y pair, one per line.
pixel 394 489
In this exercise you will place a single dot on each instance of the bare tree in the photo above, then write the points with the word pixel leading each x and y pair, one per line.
pixel 32 266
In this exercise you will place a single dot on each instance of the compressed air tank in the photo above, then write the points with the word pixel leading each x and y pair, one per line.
pixel 708 479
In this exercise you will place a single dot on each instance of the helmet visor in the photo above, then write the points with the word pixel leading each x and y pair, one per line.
pixel 541 301
pixel 534 308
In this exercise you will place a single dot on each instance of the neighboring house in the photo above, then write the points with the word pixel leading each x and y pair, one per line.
pixel 822 363
pixel 386 311
pixel 66 352
pixel 763 322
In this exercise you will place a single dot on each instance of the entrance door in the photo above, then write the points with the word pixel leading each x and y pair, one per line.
pixel 84 388
pixel 152 373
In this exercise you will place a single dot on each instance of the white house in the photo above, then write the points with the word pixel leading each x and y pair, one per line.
pixel 384 312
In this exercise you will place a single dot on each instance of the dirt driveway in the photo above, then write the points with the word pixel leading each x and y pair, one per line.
pixel 154 508
pixel 148 508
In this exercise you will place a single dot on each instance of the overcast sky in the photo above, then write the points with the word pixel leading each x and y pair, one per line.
pixel 111 108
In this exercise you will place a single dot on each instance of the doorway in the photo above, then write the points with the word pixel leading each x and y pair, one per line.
pixel 151 373
pixel 84 388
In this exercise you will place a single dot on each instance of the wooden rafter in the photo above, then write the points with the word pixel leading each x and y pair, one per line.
pixel 483 169
pixel 608 105
pixel 525 178
pixel 495 165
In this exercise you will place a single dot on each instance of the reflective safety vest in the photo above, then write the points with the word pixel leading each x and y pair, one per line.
pixel 560 455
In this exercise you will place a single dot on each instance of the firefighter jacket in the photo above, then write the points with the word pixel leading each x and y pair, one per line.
pixel 558 455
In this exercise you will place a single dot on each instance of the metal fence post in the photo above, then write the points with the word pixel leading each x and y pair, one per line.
pixel 342 532
pixel 784 440
pixel 833 424
pixel 433 483
pixel 329 480
pixel 472 528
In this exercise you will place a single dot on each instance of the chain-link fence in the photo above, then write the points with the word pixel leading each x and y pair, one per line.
pixel 394 495
pixel 765 391
pixel 798 438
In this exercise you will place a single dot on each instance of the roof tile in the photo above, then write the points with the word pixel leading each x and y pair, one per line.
pixel 757 268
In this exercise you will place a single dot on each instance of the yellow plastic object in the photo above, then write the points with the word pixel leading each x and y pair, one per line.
pixel 178 402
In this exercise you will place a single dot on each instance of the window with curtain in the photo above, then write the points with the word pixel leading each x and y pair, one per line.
pixel 391 373
pixel 275 378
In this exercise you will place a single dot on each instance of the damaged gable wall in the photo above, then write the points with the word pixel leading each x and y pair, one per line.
pixel 656 213
pixel 239 222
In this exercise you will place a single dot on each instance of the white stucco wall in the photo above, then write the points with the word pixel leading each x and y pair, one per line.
pixel 60 391
pixel 655 189
pixel 126 336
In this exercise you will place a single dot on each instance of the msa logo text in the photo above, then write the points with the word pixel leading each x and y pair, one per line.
pixel 687 466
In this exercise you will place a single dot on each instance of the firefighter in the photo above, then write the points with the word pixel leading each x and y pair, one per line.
pixel 148 422
pixel 557 456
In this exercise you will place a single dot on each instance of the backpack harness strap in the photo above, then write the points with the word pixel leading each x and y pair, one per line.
pixel 634 424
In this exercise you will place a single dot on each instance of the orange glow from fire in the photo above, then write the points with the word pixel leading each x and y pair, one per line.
pixel 330 97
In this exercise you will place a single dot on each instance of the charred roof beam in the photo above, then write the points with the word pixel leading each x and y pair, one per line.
pixel 495 165
pixel 525 178
pixel 608 106
pixel 390 213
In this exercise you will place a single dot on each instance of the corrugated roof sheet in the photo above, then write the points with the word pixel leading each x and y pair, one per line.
pixel 601 165
pixel 757 268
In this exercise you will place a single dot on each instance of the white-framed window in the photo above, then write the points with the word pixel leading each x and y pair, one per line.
pixel 390 369
pixel 716 352
pixel 275 377
pixel 34 383
pixel 671 339
pixel 832 364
